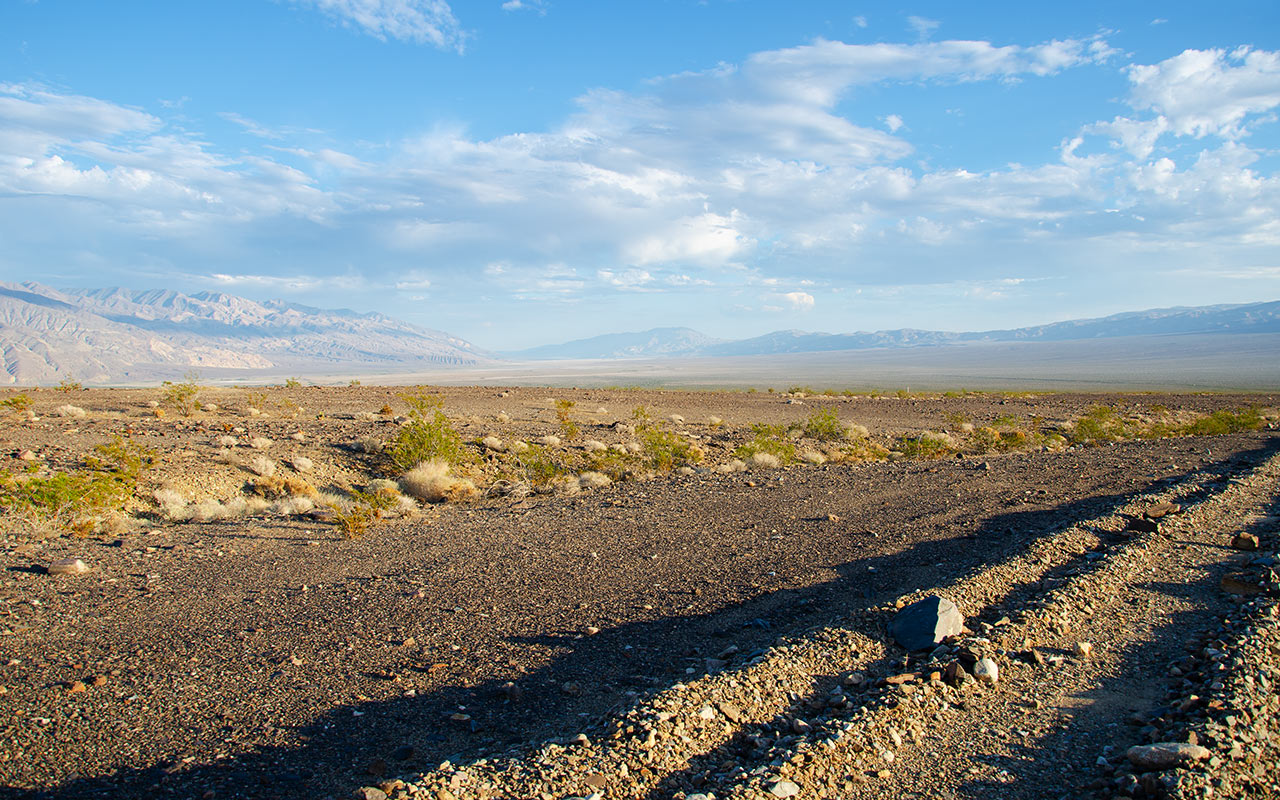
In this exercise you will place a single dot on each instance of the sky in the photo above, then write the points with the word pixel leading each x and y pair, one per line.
pixel 531 171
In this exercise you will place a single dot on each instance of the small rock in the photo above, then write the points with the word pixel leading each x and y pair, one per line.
pixel 99 680
pixel 925 623
pixel 1240 583
pixel 1083 649
pixel 68 566
pixel 1159 510
pixel 1142 525
pixel 76 687
pixel 27 455
pixel 592 630
pixel 784 788
pixel 986 671
pixel 1244 541
pixel 369 793
pixel 1165 755
pixel 595 780
pixel 730 711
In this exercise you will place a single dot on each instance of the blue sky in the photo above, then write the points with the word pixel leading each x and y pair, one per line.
pixel 525 172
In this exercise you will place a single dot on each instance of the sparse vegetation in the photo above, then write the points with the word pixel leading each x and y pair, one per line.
pixel 427 436
pixel 568 428
pixel 69 384
pixel 17 404
pixel 824 425
pixel 182 397
pixel 772 440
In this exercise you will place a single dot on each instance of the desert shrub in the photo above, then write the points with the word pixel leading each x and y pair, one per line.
pixel 1100 424
pixel 735 465
pixel 18 404
pixel 538 465
pixel 256 400
pixel 182 397
pixel 550 440
pixel 924 446
pixel 386 410
pixel 261 443
pixel 69 384
pixel 68 499
pixel 763 460
pixel 772 440
pixel 1225 421
pixel 813 457
pixel 664 450
pixel 714 422
pixel 594 446
pixel 985 439
pixel 616 465
pixel 292 383
pixel 503 418
pixel 824 425
pixel 427 435
pixel 493 443
pixel 568 428
pixel 261 466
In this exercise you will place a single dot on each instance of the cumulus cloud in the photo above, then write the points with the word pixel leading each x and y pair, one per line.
pixel 420 21
pixel 923 27
pixel 1208 92
pixel 799 301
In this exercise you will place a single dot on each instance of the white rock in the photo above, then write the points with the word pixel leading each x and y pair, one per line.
pixel 986 671
pixel 784 788
pixel 1165 755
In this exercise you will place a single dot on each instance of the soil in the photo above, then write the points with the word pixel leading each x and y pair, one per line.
pixel 271 657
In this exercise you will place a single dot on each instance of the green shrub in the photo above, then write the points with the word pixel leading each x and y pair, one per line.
pixel 1101 424
pixel 568 428
pixel 771 439
pixel 427 435
pixel 292 383
pixel 926 447
pixel 664 450
pixel 824 425
pixel 183 396
pixel 1225 421
pixel 539 466
pixel 18 404
pixel 65 498
pixel 69 385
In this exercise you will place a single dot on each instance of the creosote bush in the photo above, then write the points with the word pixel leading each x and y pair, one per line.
pixel 427 435
pixel 183 396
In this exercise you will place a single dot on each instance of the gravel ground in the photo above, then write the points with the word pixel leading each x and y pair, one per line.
pixel 269 657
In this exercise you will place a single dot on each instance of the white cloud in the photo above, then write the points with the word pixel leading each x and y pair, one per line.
pixel 625 279
pixel 421 21
pixel 1208 92
pixel 799 301
pixel 893 122
pixel 860 21
pixel 526 5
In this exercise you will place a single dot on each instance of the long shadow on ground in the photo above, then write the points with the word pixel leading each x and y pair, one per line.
pixel 637 658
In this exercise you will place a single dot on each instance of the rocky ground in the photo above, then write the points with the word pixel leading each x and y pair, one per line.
pixel 723 634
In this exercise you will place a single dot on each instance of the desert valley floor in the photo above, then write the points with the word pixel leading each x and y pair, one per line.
pixel 711 626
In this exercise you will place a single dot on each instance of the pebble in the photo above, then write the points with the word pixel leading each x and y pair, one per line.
pixel 68 566
pixel 1083 649
pixel 784 788
pixel 369 793
pixel 986 671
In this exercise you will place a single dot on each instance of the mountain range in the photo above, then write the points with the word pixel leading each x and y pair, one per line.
pixel 127 336
pixel 140 336
pixel 686 342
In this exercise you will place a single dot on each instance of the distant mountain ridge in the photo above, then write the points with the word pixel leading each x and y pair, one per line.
pixel 1224 319
pixel 124 335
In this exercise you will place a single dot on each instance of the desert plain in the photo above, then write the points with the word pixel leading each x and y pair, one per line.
pixel 679 594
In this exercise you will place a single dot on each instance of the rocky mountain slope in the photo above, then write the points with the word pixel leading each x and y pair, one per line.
pixel 122 335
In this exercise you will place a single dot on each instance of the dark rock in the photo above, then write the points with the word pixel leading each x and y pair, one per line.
pixel 1142 525
pixel 925 623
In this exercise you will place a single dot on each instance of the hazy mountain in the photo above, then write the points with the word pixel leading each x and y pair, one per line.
pixel 122 335
pixel 1219 319
pixel 645 344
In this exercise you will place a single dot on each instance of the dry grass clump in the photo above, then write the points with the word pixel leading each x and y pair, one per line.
pixel 226 441
pixel 502 418
pixel 519 447
pixel 594 480
pixel 261 466
pixel 763 460
pixel 431 482
pixel 209 408
pixel 566 484
pixel 493 443
pixel 813 457
pixel 260 443
pixel 618 448
pixel 276 487
pixel 550 440
pixel 853 430
pixel 676 419
pixel 594 446
pixel 365 416
pixel 298 436
pixel 734 465
pixel 714 421
pixel 301 464
pixel 75 412
pixel 634 448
